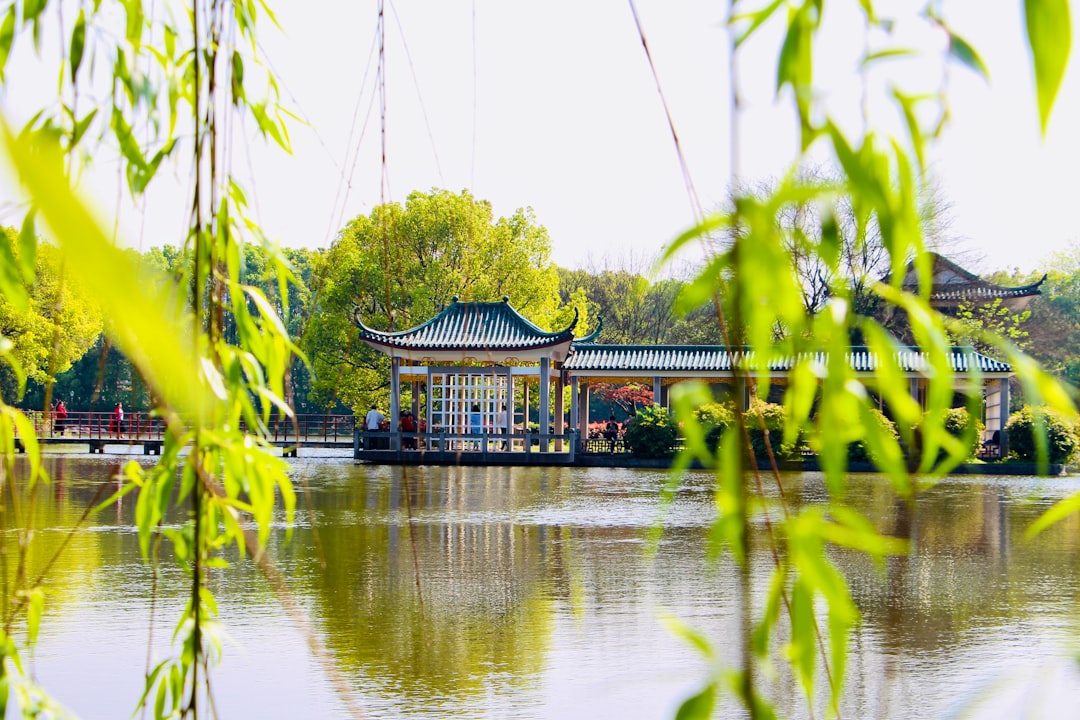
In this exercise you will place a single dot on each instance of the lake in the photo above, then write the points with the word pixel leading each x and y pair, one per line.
pixel 528 593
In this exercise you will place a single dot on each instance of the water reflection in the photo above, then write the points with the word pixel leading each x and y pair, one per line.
pixel 527 593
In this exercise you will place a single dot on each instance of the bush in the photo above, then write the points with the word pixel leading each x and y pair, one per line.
pixel 651 433
pixel 773 417
pixel 1061 436
pixel 714 418
pixel 858 451
pixel 957 422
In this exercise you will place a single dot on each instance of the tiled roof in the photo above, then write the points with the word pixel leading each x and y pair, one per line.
pixel 952 283
pixel 980 291
pixel 716 358
pixel 471 326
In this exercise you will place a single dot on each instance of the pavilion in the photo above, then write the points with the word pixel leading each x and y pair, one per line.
pixel 465 365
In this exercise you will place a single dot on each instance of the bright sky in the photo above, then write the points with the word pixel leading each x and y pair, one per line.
pixel 552 105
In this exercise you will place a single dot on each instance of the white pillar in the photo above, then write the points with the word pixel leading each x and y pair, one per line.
pixel 575 404
pixel 430 408
pixel 560 425
pixel 395 400
pixel 1005 411
pixel 545 401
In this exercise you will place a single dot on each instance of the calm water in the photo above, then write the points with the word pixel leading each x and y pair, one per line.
pixel 527 593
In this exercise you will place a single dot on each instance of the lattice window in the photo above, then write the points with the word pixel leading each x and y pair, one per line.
pixel 470 403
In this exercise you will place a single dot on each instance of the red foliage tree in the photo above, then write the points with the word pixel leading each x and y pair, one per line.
pixel 628 397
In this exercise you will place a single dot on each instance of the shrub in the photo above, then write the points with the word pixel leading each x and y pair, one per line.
pixel 957 422
pixel 651 433
pixel 714 418
pixel 1061 436
pixel 858 451
pixel 773 417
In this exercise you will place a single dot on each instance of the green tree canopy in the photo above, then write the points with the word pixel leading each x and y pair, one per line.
pixel 401 265
pixel 55 327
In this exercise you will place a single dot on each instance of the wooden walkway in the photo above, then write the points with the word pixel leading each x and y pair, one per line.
pixel 98 431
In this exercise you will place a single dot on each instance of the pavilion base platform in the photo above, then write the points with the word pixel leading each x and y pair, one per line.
pixel 465 449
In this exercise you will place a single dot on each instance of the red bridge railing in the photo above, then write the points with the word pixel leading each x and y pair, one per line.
pixel 140 426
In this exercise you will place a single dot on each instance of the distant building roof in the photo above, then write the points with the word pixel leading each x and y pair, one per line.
pixel 491 331
pixel 952 285
pixel 631 360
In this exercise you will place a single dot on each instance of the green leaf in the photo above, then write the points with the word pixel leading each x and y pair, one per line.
pixel 142 326
pixel 78 42
pixel 7 38
pixel 918 140
pixel 756 20
pixel 961 50
pixel 1058 511
pixel 129 146
pixel 237 77
pixel 689 635
pixel 700 706
pixel 26 433
pixel 12 285
pixel 1049 30
pixel 134 10
pixel 887 54
pixel 81 127
pixel 28 249
pixel 34 610
pixel 796 64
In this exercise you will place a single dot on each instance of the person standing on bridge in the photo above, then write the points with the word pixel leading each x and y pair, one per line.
pixel 118 419
pixel 60 414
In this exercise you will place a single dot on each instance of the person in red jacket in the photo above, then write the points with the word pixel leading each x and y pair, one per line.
pixel 60 414
pixel 118 420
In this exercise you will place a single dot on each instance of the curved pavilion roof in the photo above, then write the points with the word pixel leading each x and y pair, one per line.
pixel 488 331
pixel 704 360
pixel 496 332
pixel 953 285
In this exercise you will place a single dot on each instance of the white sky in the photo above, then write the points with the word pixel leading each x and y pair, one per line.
pixel 559 112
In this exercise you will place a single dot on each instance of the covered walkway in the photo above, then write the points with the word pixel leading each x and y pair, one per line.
pixel 473 373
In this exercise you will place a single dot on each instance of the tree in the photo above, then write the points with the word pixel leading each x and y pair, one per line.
pixel 636 310
pixel 401 265
pixel 628 398
pixel 836 248
pixel 57 324
pixel 973 321
pixel 1054 326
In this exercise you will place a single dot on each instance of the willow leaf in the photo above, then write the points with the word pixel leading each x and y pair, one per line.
pixel 141 326
pixel 78 43
pixel 1049 32
pixel 961 50
pixel 700 706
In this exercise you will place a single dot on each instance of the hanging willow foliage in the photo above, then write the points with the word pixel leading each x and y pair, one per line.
pixel 757 293
pixel 172 91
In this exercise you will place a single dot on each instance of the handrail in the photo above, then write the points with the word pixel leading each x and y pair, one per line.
pixel 142 426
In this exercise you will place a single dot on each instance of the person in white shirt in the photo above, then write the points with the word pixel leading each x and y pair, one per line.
pixel 373 423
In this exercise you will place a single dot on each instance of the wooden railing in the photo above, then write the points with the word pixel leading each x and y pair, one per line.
pixel 455 442
pixel 138 426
